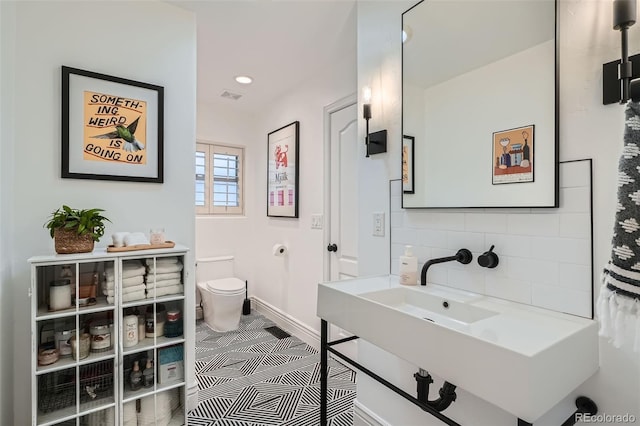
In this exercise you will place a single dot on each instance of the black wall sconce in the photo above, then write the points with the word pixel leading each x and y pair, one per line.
pixel 621 79
pixel 376 142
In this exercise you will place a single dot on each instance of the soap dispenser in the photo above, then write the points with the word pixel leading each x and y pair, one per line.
pixel 147 375
pixel 408 267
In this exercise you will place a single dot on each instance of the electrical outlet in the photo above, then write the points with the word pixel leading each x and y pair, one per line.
pixel 378 224
pixel 316 221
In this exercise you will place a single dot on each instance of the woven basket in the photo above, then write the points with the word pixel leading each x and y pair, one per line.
pixel 68 241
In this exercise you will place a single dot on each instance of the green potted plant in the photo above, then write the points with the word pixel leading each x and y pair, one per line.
pixel 75 230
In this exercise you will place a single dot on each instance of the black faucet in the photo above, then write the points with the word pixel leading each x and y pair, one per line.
pixel 463 256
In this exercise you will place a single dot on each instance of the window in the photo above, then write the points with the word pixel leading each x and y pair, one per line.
pixel 219 185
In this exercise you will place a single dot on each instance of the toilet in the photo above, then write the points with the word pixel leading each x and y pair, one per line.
pixel 220 293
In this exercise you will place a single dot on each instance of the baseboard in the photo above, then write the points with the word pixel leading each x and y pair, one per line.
pixel 366 416
pixel 287 322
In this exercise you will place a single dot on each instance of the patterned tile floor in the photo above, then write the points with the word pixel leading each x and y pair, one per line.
pixel 248 377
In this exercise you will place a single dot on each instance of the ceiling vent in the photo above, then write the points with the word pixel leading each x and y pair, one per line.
pixel 230 95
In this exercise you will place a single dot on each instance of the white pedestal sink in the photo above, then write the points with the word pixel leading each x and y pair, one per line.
pixel 520 358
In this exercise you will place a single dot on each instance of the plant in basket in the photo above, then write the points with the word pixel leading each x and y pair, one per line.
pixel 75 230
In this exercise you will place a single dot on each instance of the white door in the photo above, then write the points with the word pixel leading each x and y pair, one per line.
pixel 341 232
pixel 343 240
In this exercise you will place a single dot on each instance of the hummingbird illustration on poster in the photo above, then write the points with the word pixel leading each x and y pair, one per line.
pixel 127 134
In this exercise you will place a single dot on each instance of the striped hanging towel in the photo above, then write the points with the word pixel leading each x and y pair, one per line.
pixel 619 300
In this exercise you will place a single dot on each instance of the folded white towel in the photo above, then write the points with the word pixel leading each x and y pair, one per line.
pixel 164 283
pixel 164 269
pixel 129 297
pixel 162 277
pixel 126 290
pixel 161 261
pixel 135 239
pixel 163 291
pixel 130 415
pixel 126 282
pixel 126 273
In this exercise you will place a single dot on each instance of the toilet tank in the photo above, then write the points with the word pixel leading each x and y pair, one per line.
pixel 213 268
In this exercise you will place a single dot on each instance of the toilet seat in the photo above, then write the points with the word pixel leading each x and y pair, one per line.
pixel 226 286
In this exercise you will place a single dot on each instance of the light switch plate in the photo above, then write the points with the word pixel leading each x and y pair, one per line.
pixel 378 224
pixel 316 221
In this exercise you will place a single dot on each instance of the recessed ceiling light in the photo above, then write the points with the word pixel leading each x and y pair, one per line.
pixel 244 79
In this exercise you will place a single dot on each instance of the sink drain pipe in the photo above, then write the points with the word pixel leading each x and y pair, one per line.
pixel 447 391
pixel 326 348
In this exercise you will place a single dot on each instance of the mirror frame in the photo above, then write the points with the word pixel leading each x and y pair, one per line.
pixel 556 161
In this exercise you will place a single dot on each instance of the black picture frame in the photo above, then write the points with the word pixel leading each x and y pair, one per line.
pixel 112 128
pixel 408 164
pixel 283 171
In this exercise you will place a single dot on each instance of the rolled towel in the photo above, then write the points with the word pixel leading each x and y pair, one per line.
pixel 163 291
pixel 125 290
pixel 161 261
pixel 129 297
pixel 136 239
pixel 164 283
pixel 164 269
pixel 163 277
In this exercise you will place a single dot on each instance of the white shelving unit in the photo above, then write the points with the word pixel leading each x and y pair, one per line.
pixel 95 389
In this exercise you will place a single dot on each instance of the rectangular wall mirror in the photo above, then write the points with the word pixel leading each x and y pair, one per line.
pixel 480 103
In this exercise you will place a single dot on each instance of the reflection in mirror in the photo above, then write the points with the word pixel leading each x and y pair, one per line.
pixel 479 100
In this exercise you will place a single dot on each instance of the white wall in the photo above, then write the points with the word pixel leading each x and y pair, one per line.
pixel 146 41
pixel 587 130
pixel 7 24
pixel 288 284
pixel 230 235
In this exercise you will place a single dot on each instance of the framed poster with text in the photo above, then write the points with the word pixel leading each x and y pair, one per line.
pixel 112 128
pixel 282 171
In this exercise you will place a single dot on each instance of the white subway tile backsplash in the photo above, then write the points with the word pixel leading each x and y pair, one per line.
pixel 507 210
pixel 575 200
pixel 561 299
pixel 544 272
pixel 397 219
pixel 473 241
pixel 397 250
pixel 395 266
pixel 575 174
pixel 533 224
pixel 533 270
pixel 545 254
pixel 430 219
pixel 404 236
pixel 437 274
pixel 396 203
pixel 564 250
pixel 465 280
pixel 510 289
pixel 509 244
pixel 433 238
pixel 485 222
pixel 423 254
pixel 575 225
pixel 396 189
pixel 574 276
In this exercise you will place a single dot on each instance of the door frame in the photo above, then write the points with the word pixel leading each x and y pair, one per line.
pixel 336 106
